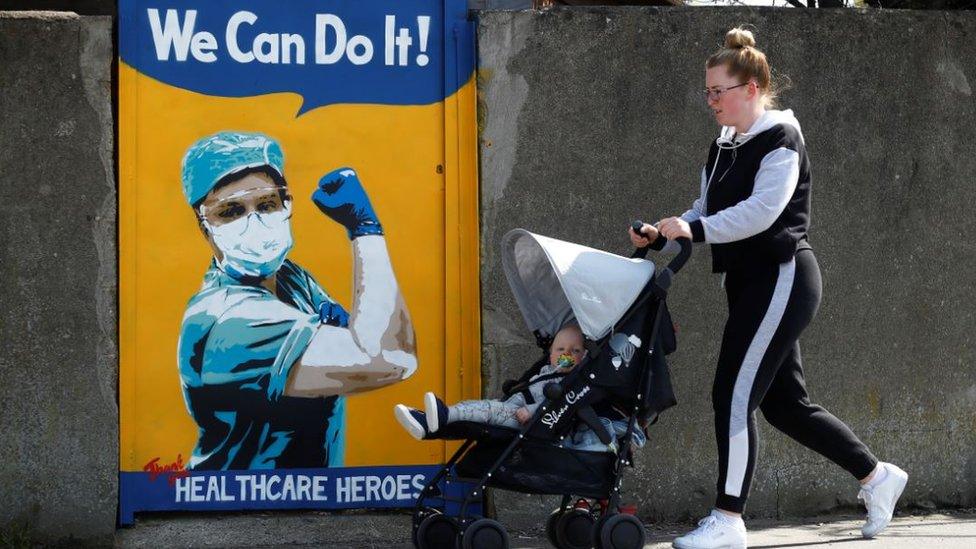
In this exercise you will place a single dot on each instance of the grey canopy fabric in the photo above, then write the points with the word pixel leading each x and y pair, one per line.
pixel 554 281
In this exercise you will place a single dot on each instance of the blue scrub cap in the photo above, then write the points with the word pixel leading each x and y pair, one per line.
pixel 224 153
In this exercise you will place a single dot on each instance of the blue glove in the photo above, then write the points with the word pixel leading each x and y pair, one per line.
pixel 333 314
pixel 341 196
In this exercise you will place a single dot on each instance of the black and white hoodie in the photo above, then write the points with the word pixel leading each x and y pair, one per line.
pixel 754 206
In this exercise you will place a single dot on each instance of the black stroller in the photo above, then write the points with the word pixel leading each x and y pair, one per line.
pixel 620 306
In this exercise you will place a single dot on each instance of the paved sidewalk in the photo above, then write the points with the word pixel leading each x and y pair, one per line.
pixel 950 530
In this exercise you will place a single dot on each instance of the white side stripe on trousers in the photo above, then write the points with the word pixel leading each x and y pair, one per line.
pixel 739 414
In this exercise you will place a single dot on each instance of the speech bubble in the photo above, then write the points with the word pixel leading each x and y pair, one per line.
pixel 408 52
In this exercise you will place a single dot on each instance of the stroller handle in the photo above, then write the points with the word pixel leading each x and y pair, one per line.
pixel 677 263
pixel 639 253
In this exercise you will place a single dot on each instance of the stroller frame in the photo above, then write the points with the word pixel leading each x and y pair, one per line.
pixel 476 532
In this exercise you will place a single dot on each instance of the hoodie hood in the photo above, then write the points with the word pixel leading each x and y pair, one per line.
pixel 728 138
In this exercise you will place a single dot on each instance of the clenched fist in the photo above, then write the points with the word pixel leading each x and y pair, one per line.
pixel 340 195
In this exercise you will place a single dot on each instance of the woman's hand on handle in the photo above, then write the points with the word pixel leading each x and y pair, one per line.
pixel 648 235
pixel 674 228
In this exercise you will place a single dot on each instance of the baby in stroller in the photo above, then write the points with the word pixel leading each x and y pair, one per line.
pixel 566 351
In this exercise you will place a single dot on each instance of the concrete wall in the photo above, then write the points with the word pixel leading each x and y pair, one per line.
pixel 591 111
pixel 81 7
pixel 58 366
pixel 591 118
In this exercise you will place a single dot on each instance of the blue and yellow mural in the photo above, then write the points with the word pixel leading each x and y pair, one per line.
pixel 298 236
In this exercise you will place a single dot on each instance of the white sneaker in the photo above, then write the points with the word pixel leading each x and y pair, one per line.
pixel 436 412
pixel 713 533
pixel 881 498
pixel 412 420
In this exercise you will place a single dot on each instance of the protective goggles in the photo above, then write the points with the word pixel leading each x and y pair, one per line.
pixel 263 200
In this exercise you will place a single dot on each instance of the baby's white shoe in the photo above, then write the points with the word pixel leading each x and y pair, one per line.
pixel 412 420
pixel 436 412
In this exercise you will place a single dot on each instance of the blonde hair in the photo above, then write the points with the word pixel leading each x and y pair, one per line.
pixel 744 60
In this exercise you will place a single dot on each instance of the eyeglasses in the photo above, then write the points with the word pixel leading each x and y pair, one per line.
pixel 716 93
pixel 241 204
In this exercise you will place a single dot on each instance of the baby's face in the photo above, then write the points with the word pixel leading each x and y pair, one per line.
pixel 568 341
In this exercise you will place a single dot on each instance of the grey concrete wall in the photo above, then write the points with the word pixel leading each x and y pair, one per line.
pixel 591 118
pixel 81 7
pixel 58 362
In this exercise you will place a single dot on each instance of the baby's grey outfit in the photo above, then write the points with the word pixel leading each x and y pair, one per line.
pixel 502 413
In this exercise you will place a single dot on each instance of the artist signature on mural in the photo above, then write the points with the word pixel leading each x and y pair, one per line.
pixel 173 471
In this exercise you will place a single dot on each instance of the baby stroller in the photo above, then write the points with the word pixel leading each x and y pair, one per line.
pixel 620 306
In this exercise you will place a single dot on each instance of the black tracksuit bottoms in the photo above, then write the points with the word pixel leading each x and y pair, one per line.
pixel 759 367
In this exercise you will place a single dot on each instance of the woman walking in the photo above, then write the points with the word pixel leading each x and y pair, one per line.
pixel 754 211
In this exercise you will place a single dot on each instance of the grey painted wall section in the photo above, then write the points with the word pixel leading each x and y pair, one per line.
pixel 58 367
pixel 591 118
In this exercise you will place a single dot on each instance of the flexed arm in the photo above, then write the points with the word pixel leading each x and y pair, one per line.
pixel 378 346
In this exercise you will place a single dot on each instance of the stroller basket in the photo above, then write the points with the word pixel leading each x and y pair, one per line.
pixel 540 468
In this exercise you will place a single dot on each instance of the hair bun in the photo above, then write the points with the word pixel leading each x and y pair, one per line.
pixel 739 38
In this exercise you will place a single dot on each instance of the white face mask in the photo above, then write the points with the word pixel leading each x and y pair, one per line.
pixel 255 245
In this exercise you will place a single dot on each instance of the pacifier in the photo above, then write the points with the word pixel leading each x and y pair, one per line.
pixel 565 361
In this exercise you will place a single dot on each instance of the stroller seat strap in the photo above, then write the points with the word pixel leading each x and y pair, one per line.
pixel 527 394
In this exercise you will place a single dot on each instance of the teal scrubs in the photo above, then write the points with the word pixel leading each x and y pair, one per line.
pixel 238 344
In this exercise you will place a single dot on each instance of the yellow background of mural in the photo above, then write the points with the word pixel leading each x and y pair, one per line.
pixel 418 164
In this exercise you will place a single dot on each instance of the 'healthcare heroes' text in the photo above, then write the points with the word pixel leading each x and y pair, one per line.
pixel 288 487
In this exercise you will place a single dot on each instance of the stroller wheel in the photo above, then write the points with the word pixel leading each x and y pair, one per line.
pixel 574 529
pixel 595 540
pixel 485 534
pixel 551 526
pixel 417 518
pixel 621 532
pixel 437 531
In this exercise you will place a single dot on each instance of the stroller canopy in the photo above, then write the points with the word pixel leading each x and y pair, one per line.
pixel 554 280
